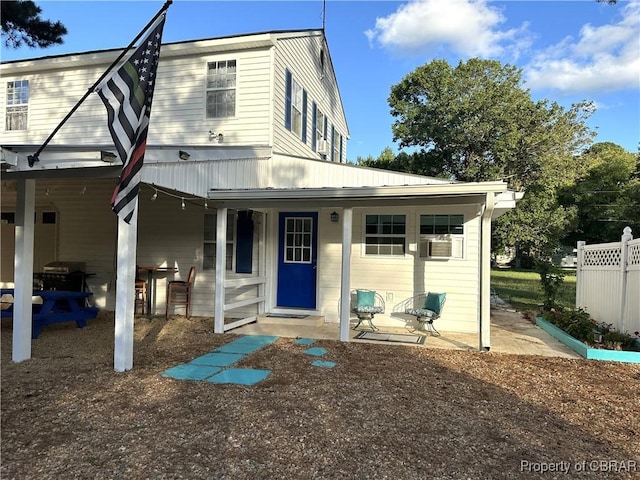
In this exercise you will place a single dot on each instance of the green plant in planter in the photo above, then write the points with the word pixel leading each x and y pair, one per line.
pixel 619 341
pixel 576 322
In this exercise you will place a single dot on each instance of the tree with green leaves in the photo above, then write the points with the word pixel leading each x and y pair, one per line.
pixel 476 122
pixel 607 197
pixel 21 24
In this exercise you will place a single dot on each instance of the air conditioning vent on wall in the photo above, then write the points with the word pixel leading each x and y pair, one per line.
pixel 323 147
pixel 439 248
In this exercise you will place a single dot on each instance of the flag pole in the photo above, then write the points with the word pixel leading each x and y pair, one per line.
pixel 32 159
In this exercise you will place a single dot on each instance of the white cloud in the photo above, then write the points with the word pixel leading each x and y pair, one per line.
pixel 468 27
pixel 604 58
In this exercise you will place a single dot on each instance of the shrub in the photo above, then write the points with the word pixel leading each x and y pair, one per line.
pixel 551 278
pixel 578 324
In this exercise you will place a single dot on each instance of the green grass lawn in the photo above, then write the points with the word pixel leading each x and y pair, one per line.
pixel 523 290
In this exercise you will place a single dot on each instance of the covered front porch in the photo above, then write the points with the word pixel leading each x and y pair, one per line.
pixel 169 232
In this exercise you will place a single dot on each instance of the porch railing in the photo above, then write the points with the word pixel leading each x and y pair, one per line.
pixel 235 283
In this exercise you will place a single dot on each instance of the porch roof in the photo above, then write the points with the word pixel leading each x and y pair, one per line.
pixel 385 195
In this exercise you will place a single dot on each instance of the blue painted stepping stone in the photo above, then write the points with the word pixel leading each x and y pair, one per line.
pixel 259 339
pixel 187 371
pixel 304 341
pixel 315 351
pixel 240 376
pixel 239 347
pixel 217 359
pixel 323 363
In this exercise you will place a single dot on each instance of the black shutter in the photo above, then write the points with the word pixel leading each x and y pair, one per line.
pixel 287 103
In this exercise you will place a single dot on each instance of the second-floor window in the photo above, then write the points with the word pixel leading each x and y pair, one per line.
pixel 295 118
pixel 221 89
pixel 318 130
pixel 17 104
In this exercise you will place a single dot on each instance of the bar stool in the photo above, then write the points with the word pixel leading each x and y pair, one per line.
pixel 140 299
pixel 179 293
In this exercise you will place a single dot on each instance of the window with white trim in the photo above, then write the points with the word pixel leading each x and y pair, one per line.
pixel 295 115
pixel 441 236
pixel 17 104
pixel 337 147
pixel 221 89
pixel 321 128
pixel 209 245
pixel 298 247
pixel 385 235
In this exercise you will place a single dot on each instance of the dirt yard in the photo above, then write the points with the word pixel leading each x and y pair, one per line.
pixel 383 412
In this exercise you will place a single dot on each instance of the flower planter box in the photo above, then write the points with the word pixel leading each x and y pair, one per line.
pixel 584 350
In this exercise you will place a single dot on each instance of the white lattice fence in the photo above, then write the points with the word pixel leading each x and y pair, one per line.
pixel 608 282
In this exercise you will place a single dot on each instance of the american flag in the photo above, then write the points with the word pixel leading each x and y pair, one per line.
pixel 127 94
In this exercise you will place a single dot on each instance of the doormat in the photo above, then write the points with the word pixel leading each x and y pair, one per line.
pixel 286 315
pixel 392 337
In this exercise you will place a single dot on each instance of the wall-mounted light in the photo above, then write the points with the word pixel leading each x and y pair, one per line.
pixel 334 216
pixel 217 137
pixel 183 155
pixel 107 157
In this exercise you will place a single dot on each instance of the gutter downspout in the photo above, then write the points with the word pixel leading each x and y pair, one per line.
pixel 484 318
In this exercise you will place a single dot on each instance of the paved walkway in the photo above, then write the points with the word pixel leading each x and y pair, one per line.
pixel 510 333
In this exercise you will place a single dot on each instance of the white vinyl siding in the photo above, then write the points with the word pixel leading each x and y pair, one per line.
pixel 398 278
pixel 321 89
pixel 178 113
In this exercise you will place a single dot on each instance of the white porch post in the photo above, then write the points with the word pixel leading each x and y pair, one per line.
pixel 125 281
pixel 484 326
pixel 262 260
pixel 345 281
pixel 221 269
pixel 23 268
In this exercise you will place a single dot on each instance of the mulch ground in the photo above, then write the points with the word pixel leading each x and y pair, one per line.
pixel 383 412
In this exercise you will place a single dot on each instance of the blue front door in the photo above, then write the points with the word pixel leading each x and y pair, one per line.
pixel 297 259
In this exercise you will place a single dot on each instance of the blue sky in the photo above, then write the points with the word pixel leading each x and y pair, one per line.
pixel 568 50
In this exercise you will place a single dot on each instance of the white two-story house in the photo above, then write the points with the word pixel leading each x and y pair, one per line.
pixel 246 179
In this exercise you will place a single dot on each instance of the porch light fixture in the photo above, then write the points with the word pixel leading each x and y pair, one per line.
pixel 107 157
pixel 218 137
pixel 184 155
pixel 334 217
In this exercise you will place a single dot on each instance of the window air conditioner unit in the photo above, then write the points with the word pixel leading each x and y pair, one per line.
pixel 439 248
pixel 323 147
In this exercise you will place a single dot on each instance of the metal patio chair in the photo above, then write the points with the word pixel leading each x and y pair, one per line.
pixel 365 304
pixel 426 307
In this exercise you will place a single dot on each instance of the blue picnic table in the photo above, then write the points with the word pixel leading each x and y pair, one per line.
pixel 57 306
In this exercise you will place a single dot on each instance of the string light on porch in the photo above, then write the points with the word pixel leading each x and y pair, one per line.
pixel 182 198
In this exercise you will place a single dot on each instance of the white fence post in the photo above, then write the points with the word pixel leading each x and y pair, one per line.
pixel 579 284
pixel 624 256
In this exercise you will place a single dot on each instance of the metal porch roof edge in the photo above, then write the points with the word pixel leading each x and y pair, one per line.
pixel 367 192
